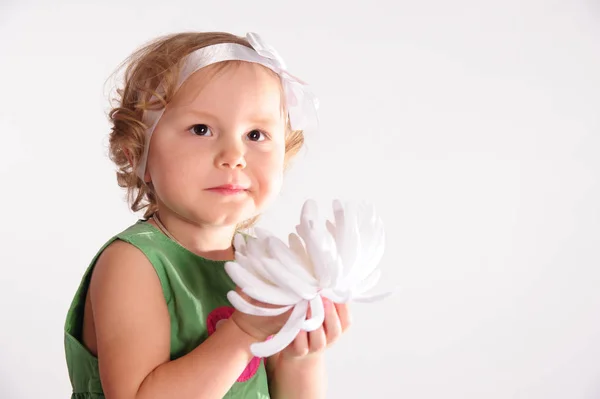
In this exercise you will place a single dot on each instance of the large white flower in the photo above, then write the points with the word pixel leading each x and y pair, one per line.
pixel 335 259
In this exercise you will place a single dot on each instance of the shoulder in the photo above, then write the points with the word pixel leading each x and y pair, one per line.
pixel 142 248
pixel 120 251
pixel 122 259
pixel 121 271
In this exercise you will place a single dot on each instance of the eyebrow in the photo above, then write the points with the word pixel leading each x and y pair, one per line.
pixel 261 120
pixel 201 114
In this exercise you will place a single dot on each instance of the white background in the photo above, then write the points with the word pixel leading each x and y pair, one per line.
pixel 473 126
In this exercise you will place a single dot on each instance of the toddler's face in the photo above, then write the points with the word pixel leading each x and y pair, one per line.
pixel 216 156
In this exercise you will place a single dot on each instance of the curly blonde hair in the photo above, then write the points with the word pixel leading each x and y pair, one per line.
pixel 152 70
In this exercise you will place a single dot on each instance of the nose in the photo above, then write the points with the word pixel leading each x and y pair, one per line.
pixel 231 155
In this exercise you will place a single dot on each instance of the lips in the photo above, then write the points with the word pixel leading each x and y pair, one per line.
pixel 228 189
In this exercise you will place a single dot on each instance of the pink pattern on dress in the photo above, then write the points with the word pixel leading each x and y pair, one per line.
pixel 213 320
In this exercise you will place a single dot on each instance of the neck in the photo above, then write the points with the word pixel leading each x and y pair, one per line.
pixel 210 242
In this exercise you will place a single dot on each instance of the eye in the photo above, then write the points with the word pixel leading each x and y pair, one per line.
pixel 201 130
pixel 256 135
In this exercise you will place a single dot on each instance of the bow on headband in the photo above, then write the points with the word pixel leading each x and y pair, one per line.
pixel 301 104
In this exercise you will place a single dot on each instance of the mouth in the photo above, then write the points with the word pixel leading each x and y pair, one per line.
pixel 228 189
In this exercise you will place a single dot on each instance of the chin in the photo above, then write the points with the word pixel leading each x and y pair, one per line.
pixel 231 211
pixel 221 216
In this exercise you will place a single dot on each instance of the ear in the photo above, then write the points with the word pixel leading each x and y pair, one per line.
pixel 128 156
pixel 147 177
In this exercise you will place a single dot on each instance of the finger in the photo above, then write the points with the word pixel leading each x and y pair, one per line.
pixel 299 347
pixel 317 341
pixel 332 324
pixel 343 312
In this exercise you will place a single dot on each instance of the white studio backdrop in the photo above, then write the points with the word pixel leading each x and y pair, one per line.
pixel 472 126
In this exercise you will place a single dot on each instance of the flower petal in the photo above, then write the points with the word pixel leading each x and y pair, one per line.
pixel 331 228
pixel 289 260
pixel 285 336
pixel 347 235
pixel 297 246
pixel 239 243
pixel 279 297
pixel 251 266
pixel 317 315
pixel 334 296
pixel 320 249
pixel 244 306
pixel 288 281
pixel 258 289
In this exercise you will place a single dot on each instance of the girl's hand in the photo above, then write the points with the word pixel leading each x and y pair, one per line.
pixel 337 321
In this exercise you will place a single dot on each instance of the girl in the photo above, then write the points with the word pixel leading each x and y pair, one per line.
pixel 204 127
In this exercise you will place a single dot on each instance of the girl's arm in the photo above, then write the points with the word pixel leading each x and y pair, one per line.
pixel 302 377
pixel 133 337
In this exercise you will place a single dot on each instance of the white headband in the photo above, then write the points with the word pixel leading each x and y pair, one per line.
pixel 301 104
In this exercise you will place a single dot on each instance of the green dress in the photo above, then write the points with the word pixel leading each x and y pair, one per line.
pixel 195 291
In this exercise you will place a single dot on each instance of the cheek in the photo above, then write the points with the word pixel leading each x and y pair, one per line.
pixel 276 183
pixel 179 154
pixel 270 174
pixel 177 166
